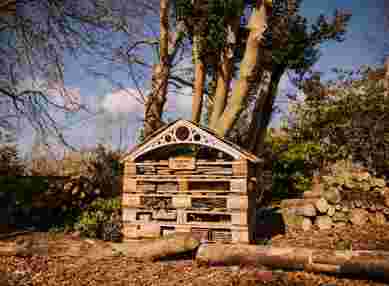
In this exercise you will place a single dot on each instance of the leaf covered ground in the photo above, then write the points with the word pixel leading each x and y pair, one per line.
pixel 75 261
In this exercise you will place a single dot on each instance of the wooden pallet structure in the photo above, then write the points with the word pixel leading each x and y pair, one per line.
pixel 184 178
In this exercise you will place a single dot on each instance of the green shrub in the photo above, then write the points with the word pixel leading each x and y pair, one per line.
pixel 293 165
pixel 100 211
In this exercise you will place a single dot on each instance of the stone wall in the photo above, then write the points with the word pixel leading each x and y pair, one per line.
pixel 345 196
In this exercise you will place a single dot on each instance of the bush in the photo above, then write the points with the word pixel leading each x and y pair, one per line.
pixel 292 164
pixel 100 212
pixel 347 117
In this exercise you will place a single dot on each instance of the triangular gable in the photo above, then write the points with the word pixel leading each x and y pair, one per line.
pixel 168 135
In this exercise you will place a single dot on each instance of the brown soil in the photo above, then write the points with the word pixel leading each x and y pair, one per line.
pixel 74 261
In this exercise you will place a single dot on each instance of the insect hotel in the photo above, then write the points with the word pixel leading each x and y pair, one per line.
pixel 184 178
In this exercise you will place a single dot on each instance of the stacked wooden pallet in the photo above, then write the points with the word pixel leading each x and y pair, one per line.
pixel 211 200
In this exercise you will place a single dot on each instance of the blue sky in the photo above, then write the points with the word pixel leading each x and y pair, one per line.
pixel 362 46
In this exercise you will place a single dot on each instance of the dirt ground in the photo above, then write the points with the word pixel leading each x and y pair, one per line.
pixel 74 261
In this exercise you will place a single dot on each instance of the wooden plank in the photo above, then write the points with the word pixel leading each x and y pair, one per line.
pixel 241 169
pixel 182 163
pixel 183 185
pixel 130 168
pixel 238 185
pixel 129 185
pixel 181 201
pixel 239 218
pixel 240 236
pixel 237 202
pixel 129 214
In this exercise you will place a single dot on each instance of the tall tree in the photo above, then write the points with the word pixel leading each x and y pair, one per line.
pixel 35 42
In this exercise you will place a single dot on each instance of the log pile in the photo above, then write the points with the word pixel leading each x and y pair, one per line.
pixel 346 196
pixel 370 264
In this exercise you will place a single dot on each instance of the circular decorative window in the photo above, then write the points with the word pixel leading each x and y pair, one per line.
pixel 197 137
pixel 182 133
pixel 168 138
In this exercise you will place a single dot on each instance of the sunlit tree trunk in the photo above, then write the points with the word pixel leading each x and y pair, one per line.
pixel 248 70
pixel 198 88
pixel 224 74
pixel 157 98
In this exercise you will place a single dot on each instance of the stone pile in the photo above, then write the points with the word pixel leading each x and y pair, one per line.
pixel 346 196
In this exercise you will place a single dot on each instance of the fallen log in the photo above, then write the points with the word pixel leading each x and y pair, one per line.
pixel 370 264
pixel 170 245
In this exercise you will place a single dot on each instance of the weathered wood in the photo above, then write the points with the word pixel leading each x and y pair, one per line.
pixel 371 264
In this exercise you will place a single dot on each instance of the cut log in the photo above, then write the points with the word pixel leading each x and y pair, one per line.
pixel 370 264
pixel 169 245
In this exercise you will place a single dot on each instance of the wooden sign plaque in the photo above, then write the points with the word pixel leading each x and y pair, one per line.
pixel 182 163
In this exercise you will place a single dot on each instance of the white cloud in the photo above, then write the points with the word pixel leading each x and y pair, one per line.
pixel 123 101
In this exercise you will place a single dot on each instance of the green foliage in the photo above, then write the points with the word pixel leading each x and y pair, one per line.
pixel 95 215
pixel 293 165
pixel 348 117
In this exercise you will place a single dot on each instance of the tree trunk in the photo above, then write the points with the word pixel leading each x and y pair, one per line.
pixel 371 264
pixel 159 248
pixel 248 70
pixel 224 74
pixel 198 90
pixel 262 112
pixel 157 99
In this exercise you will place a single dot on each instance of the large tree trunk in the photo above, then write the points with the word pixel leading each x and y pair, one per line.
pixel 371 264
pixel 173 245
pixel 248 70
pixel 263 111
pixel 224 74
pixel 157 99
pixel 198 90
pixel 200 72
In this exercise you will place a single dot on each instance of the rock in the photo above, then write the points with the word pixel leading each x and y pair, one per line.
pixel 307 210
pixel 76 234
pixel 362 176
pixel 292 220
pixel 377 218
pixel 340 217
pixel 306 224
pixel 331 210
pixel 332 195
pixel 359 216
pixel 338 207
pixel 312 195
pixel 340 224
pixel 386 202
pixel 323 222
pixel 322 205
pixel 380 183
pixel 345 209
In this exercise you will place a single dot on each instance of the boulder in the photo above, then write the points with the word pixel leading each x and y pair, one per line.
pixel 340 217
pixel 322 205
pixel 359 216
pixel 332 195
pixel 380 183
pixel 386 201
pixel 323 222
pixel 312 195
pixel 331 210
pixel 377 218
pixel 306 224
pixel 292 221
pixel 340 224
pixel 307 210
